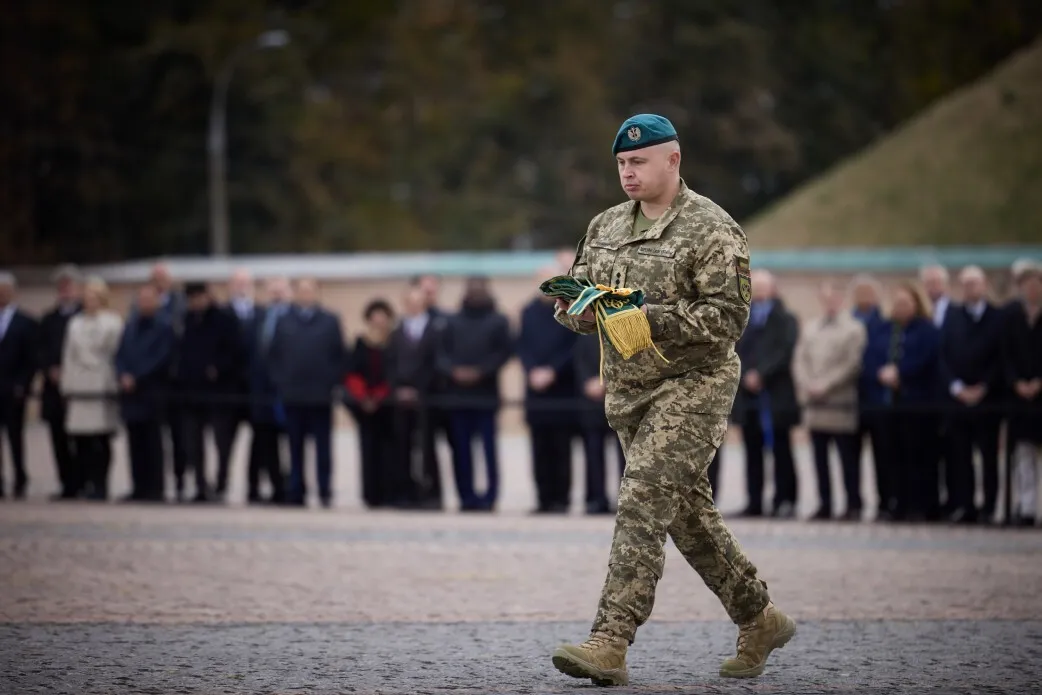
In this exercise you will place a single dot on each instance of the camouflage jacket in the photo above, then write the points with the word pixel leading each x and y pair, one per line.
pixel 693 265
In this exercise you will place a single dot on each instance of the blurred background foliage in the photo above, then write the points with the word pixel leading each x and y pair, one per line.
pixel 443 124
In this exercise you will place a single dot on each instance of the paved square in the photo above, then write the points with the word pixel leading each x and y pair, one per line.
pixel 198 599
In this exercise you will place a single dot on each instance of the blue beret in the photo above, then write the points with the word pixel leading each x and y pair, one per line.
pixel 643 130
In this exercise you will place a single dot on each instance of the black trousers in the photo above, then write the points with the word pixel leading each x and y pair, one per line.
pixel 12 423
pixel 877 425
pixel 385 479
pixel 145 441
pixel 850 464
pixel 266 459
pixel 552 464
pixel 595 453
pixel 967 432
pixel 906 442
pixel 225 421
pixel 193 421
pixel 89 470
pixel 62 447
pixel 414 431
pixel 784 466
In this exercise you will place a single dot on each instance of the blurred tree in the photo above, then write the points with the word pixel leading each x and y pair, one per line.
pixel 408 124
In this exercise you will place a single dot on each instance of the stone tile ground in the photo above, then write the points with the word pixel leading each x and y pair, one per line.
pixel 187 599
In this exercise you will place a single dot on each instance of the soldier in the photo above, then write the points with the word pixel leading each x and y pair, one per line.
pixel 692 261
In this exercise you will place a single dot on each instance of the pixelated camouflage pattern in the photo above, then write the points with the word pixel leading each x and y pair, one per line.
pixel 692 264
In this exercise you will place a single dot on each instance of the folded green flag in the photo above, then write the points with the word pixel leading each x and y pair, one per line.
pixel 617 311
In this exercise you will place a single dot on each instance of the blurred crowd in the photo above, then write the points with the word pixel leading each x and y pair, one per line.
pixel 937 387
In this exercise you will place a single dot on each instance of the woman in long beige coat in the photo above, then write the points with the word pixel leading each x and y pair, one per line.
pixel 88 370
pixel 826 366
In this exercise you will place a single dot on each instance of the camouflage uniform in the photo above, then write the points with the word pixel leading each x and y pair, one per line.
pixel 693 265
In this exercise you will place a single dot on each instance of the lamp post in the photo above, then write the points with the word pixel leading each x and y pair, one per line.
pixel 215 142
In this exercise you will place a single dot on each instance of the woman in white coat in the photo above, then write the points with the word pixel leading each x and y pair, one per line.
pixel 88 370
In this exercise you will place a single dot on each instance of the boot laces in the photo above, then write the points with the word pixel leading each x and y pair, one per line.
pixel 599 640
pixel 744 633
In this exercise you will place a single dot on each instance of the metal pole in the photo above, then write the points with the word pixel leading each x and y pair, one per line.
pixel 219 243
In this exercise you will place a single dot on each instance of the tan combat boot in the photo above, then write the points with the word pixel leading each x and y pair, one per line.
pixel 770 629
pixel 601 658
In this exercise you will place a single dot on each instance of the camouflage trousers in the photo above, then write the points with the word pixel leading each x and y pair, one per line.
pixel 665 490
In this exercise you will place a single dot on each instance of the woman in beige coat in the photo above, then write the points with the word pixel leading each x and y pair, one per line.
pixel 88 370
pixel 826 366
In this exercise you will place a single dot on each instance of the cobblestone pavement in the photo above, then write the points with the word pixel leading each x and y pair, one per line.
pixel 118 598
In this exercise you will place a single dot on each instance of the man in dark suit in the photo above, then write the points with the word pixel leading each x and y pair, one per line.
pixel 765 406
pixel 972 373
pixel 143 366
pixel 411 371
pixel 545 349
pixel 308 361
pixel 476 344
pixel 18 364
pixel 53 406
pixel 242 308
pixel 267 415
pixel 207 370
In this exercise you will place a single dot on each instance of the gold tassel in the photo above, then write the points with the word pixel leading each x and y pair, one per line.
pixel 629 332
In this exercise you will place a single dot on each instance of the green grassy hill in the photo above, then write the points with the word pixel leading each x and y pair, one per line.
pixel 967 170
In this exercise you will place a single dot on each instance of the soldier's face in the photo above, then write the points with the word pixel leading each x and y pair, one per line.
pixel 646 173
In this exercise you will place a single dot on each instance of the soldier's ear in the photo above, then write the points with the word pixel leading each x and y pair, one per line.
pixel 674 159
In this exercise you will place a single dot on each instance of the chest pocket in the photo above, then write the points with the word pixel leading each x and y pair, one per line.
pixel 655 269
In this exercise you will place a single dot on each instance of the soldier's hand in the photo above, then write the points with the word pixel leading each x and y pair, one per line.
pixel 586 316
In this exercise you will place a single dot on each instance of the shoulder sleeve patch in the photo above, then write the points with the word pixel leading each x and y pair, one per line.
pixel 743 276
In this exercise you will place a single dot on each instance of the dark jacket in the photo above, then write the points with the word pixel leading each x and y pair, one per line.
pixel 52 341
pixel 308 357
pixel 915 350
pixel 479 337
pixel 587 353
pixel 18 358
pixel 247 330
pixel 543 342
pixel 769 350
pixel 414 362
pixel 367 375
pixel 210 341
pixel 1022 361
pixel 971 352
pixel 871 320
pixel 264 406
pixel 146 349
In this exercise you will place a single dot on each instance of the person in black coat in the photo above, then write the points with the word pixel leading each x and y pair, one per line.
pixel 867 294
pixel 1022 372
pixel 245 314
pixel 545 349
pixel 18 366
pixel 902 353
pixel 972 375
pixel 765 406
pixel 308 359
pixel 206 374
pixel 475 345
pixel 53 406
pixel 143 364
pixel 386 479
pixel 266 413
pixel 594 425
pixel 412 355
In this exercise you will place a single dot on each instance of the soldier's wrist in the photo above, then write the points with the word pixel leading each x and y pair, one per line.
pixel 657 319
